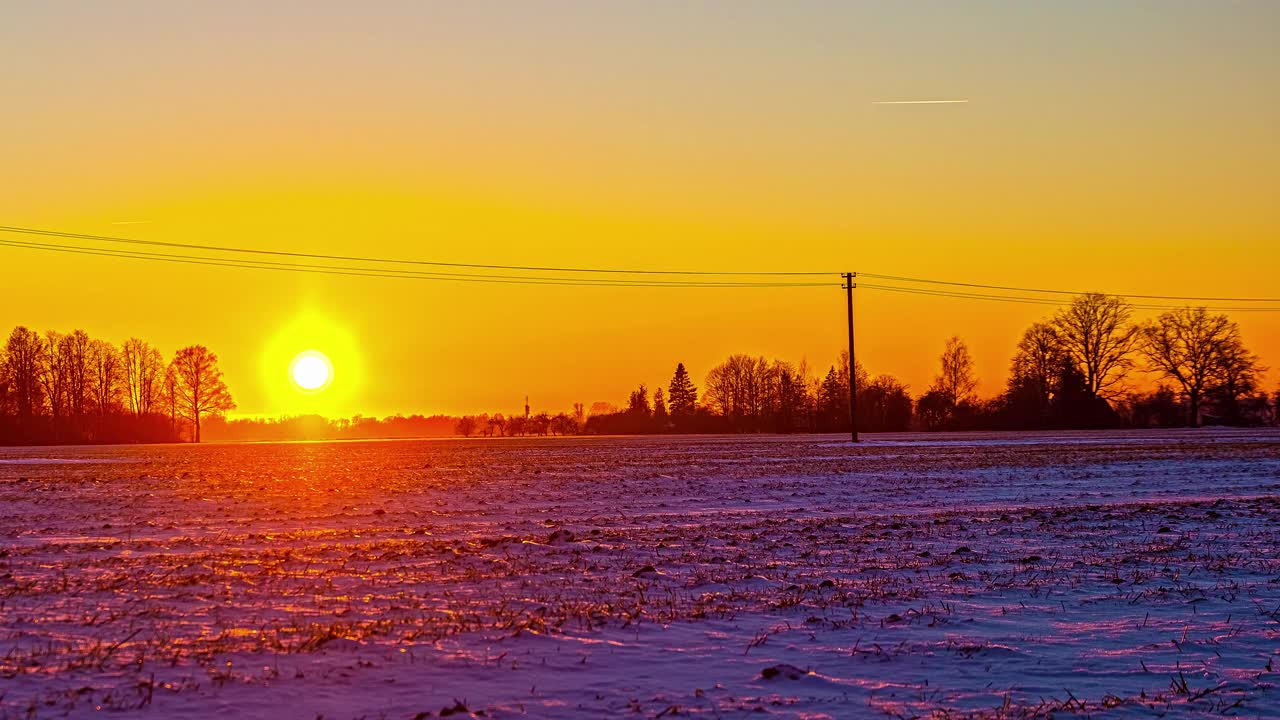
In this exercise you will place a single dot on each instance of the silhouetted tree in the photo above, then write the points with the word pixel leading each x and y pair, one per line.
pixel 317 427
pixel 659 409
pixel 200 389
pixel 516 425
pixel 638 403
pixel 6 393
pixel 1099 340
pixel 955 382
pixel 53 379
pixel 23 359
pixel 1075 405
pixel 791 397
pixel 106 377
pixel 57 388
pixel 884 405
pixel 1033 379
pixel 497 424
pixel 563 424
pixel 74 357
pixel 601 407
pixel 833 403
pixel 143 375
pixel 1237 376
pixel 1188 346
pixel 466 426
pixel 737 389
pixel 933 409
pixel 1159 408
pixel 169 395
pixel 682 396
pixel 1037 363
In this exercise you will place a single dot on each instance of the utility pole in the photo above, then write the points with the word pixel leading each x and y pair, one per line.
pixel 853 365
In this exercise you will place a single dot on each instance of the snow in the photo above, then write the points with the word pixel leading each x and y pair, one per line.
pixel 798 577
pixel 55 461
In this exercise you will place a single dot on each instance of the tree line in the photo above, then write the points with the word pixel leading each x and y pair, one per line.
pixel 58 388
pixel 218 428
pixel 1072 370
pixel 1069 371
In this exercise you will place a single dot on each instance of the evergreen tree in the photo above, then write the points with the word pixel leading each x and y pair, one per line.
pixel 1076 406
pixel 682 396
pixel 833 402
pixel 638 403
pixel 659 407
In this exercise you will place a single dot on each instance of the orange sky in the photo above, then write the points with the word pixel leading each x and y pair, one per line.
pixel 1125 147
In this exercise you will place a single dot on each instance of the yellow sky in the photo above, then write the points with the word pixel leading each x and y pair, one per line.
pixel 1124 147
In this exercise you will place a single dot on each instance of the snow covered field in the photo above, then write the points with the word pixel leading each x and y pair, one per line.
pixel 1125 575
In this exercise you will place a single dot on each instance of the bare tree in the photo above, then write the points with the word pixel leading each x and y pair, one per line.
pixel 169 396
pixel 739 388
pixel 722 390
pixel 1187 346
pixel 199 388
pixel 1238 375
pixel 497 424
pixel 23 358
pixel 1037 364
pixel 790 403
pixel 53 376
pixel 956 382
pixel 6 395
pixel 143 375
pixel 74 357
pixel 106 374
pixel 860 373
pixel 1099 340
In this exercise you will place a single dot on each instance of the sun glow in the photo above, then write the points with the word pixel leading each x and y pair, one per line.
pixel 313 365
pixel 311 371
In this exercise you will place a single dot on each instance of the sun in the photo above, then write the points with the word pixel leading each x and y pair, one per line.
pixel 311 371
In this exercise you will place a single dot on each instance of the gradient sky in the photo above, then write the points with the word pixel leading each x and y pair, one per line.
pixel 1129 147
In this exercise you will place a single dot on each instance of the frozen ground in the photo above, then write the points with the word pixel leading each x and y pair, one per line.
pixel 1124 575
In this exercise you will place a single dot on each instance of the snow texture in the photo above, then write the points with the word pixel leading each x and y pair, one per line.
pixel 985 576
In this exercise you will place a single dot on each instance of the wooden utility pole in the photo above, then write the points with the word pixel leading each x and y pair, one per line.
pixel 853 365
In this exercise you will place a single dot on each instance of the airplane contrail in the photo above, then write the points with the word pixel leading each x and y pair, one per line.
pixel 917 102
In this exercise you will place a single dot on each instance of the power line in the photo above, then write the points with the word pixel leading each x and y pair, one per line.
pixel 646 281
pixel 351 258
pixel 1054 302
pixel 392 273
pixel 542 280
pixel 900 278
